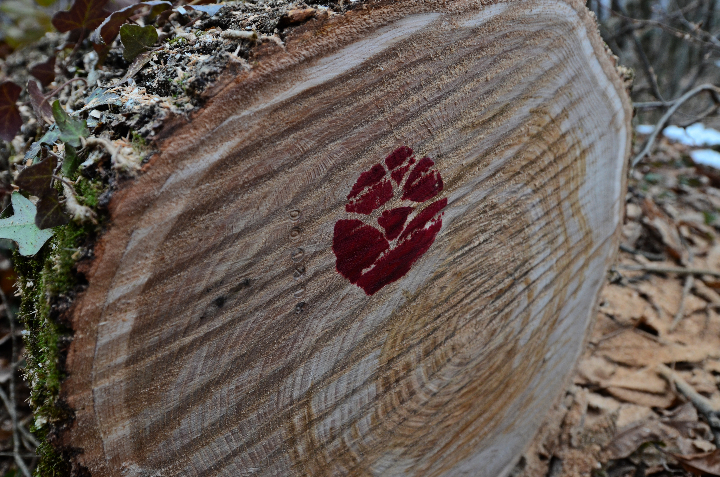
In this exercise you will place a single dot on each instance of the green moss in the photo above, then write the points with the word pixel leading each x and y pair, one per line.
pixel 42 351
pixel 88 192
pixel 41 280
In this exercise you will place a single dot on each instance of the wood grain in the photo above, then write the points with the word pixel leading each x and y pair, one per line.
pixel 218 338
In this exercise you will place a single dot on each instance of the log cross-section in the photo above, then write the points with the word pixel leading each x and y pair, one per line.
pixel 375 252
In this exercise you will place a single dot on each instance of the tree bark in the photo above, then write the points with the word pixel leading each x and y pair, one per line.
pixel 377 251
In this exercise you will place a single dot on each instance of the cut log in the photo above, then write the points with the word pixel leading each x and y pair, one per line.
pixel 377 251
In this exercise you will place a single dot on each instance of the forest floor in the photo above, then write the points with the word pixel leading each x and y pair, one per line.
pixel 621 417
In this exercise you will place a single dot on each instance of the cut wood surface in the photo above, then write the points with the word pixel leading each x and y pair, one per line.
pixel 376 252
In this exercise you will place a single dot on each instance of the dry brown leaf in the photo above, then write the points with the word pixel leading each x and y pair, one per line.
pixel 602 403
pixel 623 303
pixel 595 370
pixel 707 463
pixel 703 446
pixel 645 380
pixel 631 415
pixel 641 350
pixel 705 292
pixel 662 401
pixel 628 441
pixel 662 226
pixel 713 366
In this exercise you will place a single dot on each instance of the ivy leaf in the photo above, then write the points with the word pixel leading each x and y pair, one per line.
pixel 44 71
pixel 211 10
pixel 141 60
pixel 137 39
pixel 10 119
pixel 100 97
pixel 49 211
pixel 36 179
pixel 71 130
pixel 21 227
pixel 48 138
pixel 83 14
pixel 71 161
pixel 109 29
pixel 39 104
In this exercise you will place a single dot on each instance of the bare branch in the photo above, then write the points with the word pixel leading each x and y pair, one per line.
pixel 714 90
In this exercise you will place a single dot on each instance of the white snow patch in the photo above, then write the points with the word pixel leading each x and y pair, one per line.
pixel 644 128
pixel 695 135
pixel 706 157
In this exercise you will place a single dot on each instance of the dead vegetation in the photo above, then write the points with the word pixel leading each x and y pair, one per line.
pixel 646 395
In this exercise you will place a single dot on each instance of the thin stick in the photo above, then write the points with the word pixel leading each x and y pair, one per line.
pixel 653 104
pixel 649 70
pixel 59 88
pixel 701 403
pixel 656 257
pixel 714 90
pixel 675 270
pixel 10 402
pixel 689 281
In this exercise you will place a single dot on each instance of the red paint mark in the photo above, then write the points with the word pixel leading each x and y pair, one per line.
pixel 398 157
pixel 371 199
pixel 423 183
pixel 370 258
pixel 394 220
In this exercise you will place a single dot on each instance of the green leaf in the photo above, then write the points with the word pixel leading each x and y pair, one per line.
pixel 37 178
pixel 21 227
pixel 100 97
pixel 48 138
pixel 71 130
pixel 136 39
pixel 49 211
pixel 110 28
pixel 71 161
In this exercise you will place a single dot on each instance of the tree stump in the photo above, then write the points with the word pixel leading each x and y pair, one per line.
pixel 377 251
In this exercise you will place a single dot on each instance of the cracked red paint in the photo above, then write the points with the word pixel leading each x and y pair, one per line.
pixel 370 258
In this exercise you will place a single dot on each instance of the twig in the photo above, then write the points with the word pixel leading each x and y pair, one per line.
pixel 714 90
pixel 649 70
pixel 653 104
pixel 59 88
pixel 655 257
pixel 701 403
pixel 10 402
pixel 78 211
pixel 689 281
pixel 28 436
pixel 675 270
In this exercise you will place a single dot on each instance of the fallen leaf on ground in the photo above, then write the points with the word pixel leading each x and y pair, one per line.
pixel 629 441
pixel 40 106
pixel 10 119
pixel 21 227
pixel 83 14
pixel 663 228
pixel 137 39
pixel 45 71
pixel 71 130
pixel 624 303
pixel 36 179
pixel 707 463
pixel 109 29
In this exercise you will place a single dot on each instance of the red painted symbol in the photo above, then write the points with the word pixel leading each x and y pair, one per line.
pixel 371 257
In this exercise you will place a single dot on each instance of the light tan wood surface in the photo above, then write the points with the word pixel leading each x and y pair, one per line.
pixel 219 334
